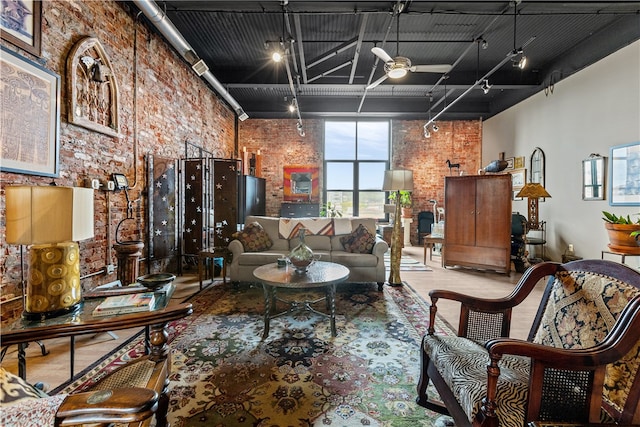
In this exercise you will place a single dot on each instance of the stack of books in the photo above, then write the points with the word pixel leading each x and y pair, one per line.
pixel 121 304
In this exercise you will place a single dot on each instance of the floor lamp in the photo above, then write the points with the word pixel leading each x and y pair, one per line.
pixel 533 191
pixel 51 219
pixel 396 180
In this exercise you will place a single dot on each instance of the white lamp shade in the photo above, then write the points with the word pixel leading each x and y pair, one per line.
pixel 398 179
pixel 48 214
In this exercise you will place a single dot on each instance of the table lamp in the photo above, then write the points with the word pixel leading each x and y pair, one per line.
pixel 396 180
pixel 51 219
pixel 533 191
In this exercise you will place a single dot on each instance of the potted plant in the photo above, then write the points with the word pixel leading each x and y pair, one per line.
pixel 405 202
pixel 330 211
pixel 623 233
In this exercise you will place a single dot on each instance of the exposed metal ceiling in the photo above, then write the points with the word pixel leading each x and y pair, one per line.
pixel 330 60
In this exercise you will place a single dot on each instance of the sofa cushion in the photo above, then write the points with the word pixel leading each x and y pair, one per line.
pixel 359 241
pixel 352 260
pixel 316 243
pixel 254 238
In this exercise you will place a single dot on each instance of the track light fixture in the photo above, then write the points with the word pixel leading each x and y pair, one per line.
pixel 435 127
pixel 523 62
pixel 485 86
pixel 300 129
pixel 427 134
pixel 276 56
pixel 293 106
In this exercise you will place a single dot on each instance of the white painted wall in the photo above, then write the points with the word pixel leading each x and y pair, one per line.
pixel 588 112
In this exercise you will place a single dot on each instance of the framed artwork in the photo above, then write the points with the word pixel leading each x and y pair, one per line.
pixel 20 24
pixel 624 175
pixel 518 162
pixel 30 130
pixel 594 170
pixel 510 163
pixel 518 178
pixel 301 183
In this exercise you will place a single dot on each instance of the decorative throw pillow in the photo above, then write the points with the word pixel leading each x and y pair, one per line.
pixel 359 241
pixel 254 238
pixel 13 389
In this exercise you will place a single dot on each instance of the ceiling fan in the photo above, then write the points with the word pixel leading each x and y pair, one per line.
pixel 399 66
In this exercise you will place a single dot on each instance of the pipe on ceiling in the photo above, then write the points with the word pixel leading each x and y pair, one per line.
pixel 160 20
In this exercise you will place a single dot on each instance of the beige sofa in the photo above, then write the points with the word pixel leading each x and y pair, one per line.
pixel 364 267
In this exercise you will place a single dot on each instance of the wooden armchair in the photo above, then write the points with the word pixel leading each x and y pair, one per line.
pixel 131 394
pixel 579 364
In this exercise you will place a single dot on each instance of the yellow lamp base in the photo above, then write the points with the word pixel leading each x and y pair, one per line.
pixel 53 286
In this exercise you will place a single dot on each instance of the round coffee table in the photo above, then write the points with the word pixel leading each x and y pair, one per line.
pixel 320 274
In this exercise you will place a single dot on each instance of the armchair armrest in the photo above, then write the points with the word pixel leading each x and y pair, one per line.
pixel 123 405
pixel 482 319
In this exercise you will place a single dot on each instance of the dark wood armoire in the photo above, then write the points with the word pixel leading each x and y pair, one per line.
pixel 477 226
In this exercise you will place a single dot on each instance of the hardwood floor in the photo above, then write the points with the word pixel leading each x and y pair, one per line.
pixel 54 368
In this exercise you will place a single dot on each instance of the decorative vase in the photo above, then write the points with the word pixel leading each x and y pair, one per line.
pixel 620 239
pixel 301 256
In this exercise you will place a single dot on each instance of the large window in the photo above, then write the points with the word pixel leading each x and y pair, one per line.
pixel 356 154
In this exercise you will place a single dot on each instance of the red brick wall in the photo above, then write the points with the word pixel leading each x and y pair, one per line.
pixel 459 141
pixel 173 106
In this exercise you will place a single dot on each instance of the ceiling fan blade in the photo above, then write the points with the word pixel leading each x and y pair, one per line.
pixel 377 82
pixel 380 53
pixel 435 68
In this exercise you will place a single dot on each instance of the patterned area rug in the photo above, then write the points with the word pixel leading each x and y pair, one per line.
pixel 224 375
pixel 406 263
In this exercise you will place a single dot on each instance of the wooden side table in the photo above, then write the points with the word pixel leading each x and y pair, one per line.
pixel 211 253
pixel 430 242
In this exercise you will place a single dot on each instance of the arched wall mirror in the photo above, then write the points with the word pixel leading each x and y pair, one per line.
pixel 536 166
pixel 594 170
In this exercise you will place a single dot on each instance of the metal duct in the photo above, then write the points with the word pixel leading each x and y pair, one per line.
pixel 160 20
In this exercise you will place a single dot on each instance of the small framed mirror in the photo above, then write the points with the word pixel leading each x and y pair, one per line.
pixel 593 177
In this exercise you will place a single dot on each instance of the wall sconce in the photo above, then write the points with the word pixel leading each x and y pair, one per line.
pixel 51 219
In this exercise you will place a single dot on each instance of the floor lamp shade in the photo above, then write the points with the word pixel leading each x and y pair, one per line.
pixel 396 180
pixel 50 219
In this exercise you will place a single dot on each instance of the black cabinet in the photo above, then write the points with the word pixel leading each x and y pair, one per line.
pixel 252 197
pixel 299 210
